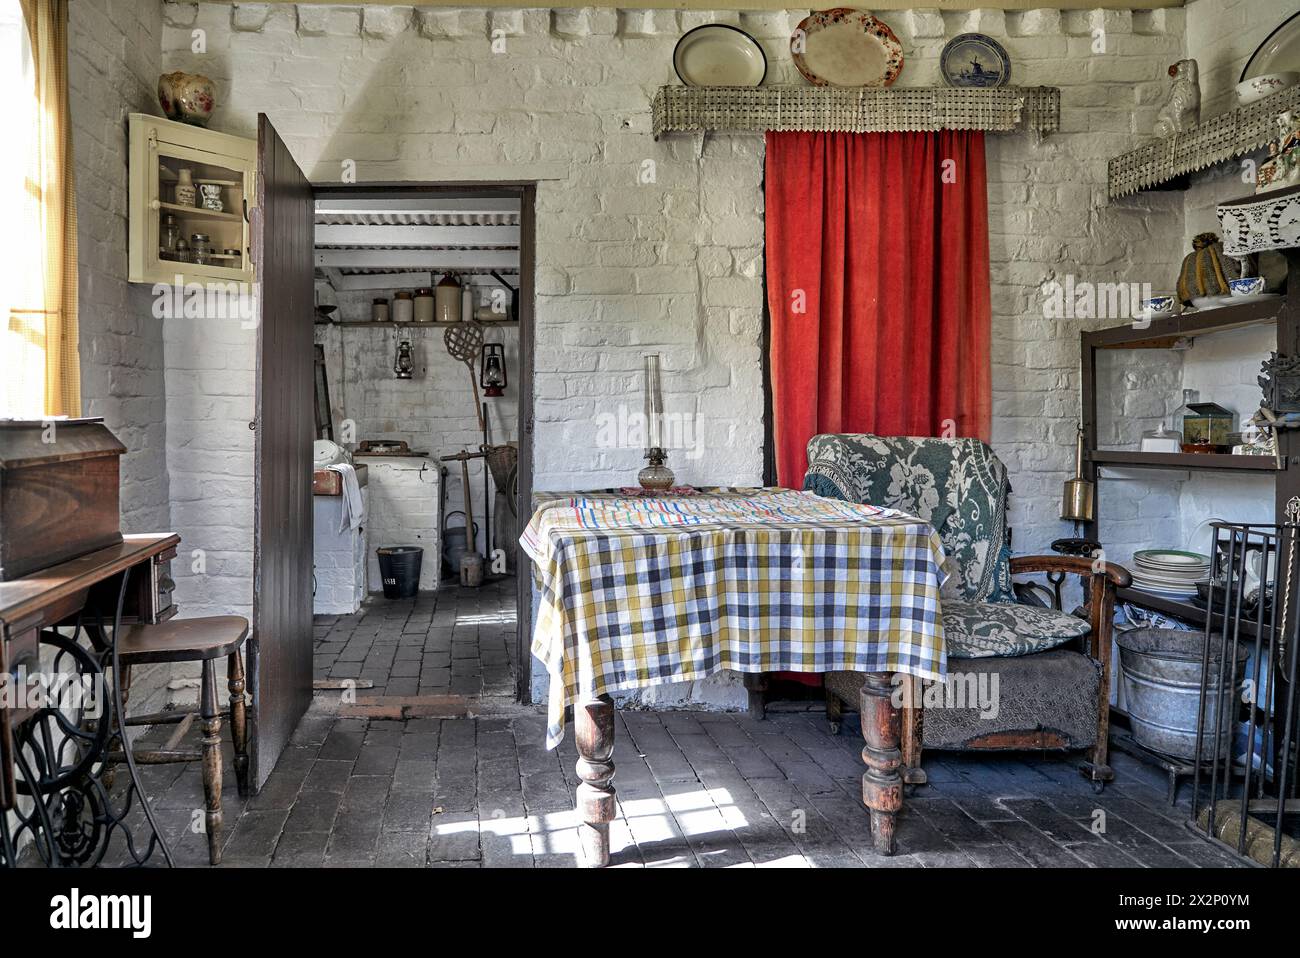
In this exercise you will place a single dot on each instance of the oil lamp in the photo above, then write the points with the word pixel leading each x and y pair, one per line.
pixel 657 475
pixel 404 365
pixel 492 372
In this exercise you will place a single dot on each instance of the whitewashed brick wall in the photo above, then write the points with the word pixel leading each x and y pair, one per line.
pixel 114 56
pixel 211 388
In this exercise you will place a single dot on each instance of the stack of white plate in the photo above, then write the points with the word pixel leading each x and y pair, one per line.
pixel 1169 572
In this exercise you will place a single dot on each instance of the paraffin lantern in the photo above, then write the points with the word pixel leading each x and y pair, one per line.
pixel 492 372
pixel 404 365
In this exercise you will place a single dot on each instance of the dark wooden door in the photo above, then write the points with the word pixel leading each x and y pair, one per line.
pixel 280 651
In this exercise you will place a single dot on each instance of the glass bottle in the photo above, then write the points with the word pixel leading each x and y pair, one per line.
pixel 169 236
pixel 1189 396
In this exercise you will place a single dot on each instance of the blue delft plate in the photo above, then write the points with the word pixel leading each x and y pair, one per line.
pixel 972 59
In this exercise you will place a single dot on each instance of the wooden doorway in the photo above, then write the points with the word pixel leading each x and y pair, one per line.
pixel 424 198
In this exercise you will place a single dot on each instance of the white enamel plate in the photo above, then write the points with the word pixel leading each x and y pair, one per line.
pixel 719 55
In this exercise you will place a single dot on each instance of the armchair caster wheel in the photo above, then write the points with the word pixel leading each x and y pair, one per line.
pixel 835 728
pixel 1098 786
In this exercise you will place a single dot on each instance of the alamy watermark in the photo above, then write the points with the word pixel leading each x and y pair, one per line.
pixel 958 690
pixel 209 300
pixel 1074 299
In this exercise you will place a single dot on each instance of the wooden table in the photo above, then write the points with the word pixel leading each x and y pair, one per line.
pixel 610 557
pixel 882 785
pixel 94 594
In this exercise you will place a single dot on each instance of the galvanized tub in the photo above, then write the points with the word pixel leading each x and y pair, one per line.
pixel 1161 673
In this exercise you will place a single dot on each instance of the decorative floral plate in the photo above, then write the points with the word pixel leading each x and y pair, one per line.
pixel 972 59
pixel 846 47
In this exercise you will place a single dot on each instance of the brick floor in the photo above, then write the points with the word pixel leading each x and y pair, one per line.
pixel 694 788
pixel 454 642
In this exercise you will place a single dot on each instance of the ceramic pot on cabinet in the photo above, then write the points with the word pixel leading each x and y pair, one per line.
pixel 187 97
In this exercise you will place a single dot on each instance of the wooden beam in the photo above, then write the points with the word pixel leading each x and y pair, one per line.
pixel 876 6
pixel 438 260
pixel 429 205
pixel 332 235
pixel 358 281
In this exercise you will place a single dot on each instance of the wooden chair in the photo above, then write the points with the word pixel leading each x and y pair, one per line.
pixel 195 640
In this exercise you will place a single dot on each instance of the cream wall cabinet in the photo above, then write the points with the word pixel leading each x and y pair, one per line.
pixel 164 156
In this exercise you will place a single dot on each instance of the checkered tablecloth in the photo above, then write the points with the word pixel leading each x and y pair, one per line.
pixel 640 591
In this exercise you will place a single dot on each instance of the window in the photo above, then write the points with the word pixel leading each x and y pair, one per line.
pixel 39 370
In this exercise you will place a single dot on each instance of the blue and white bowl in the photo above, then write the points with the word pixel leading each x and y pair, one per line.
pixel 1249 286
pixel 1156 305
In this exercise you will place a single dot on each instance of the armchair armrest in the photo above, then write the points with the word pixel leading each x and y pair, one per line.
pixel 1114 573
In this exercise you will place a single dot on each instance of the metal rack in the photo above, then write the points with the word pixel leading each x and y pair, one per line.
pixel 1259 818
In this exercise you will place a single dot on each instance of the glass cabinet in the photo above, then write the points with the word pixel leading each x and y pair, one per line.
pixel 191 190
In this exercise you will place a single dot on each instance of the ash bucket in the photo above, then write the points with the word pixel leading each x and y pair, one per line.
pixel 399 568
pixel 1161 673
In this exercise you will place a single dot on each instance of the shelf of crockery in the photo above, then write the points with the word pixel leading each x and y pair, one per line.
pixel 1227 136
pixel 1170 330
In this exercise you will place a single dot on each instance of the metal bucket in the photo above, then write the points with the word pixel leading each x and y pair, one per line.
pixel 456 542
pixel 1161 673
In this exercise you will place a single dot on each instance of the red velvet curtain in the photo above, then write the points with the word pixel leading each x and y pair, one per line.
pixel 878 287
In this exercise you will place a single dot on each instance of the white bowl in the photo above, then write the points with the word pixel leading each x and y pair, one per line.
pixel 1256 88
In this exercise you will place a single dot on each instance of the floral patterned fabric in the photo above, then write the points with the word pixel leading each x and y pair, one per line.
pixel 957 485
pixel 978 630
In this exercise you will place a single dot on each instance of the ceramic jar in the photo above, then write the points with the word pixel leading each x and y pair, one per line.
pixel 447 300
pixel 424 305
pixel 187 97
pixel 184 190
pixel 403 307
pixel 379 310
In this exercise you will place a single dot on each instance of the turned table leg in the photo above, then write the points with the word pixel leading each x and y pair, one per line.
pixel 882 786
pixel 593 732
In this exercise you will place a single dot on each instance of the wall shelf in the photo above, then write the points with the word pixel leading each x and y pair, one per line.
pixel 1227 136
pixel 199 212
pixel 1183 460
pixel 392 324
pixel 1284 313
pixel 1162 333
pixel 1181 608
pixel 683 109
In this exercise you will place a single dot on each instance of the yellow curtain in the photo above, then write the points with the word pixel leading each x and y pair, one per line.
pixel 44 310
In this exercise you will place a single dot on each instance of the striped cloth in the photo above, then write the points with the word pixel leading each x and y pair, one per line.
pixel 639 591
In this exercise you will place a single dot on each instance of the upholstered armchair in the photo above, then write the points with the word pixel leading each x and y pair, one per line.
pixel 1021 676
